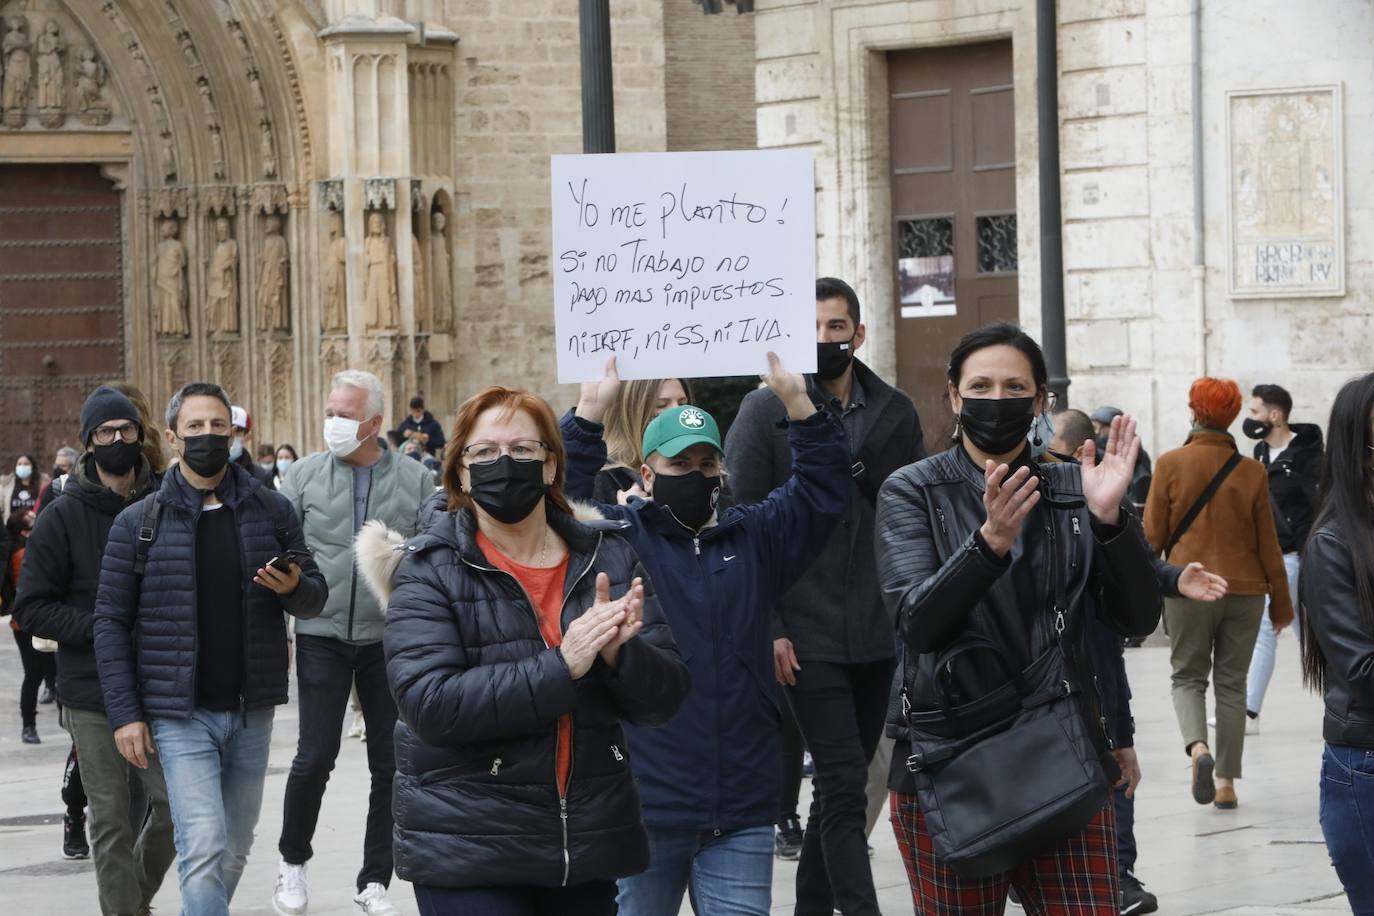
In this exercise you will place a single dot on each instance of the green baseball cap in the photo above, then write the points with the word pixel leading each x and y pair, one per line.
pixel 678 428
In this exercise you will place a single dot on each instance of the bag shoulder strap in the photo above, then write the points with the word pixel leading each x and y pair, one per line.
pixel 147 531
pixel 1201 502
pixel 278 518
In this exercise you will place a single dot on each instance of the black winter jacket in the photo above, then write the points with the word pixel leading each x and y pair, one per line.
pixel 476 798
pixel 834 613
pixel 1293 480
pixel 1331 609
pixel 944 584
pixel 145 634
pixel 62 569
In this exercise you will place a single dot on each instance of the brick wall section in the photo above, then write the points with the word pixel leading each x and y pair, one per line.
pixel 519 101
pixel 709 78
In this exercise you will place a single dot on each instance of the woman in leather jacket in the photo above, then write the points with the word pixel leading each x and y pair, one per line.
pixel 982 543
pixel 1336 586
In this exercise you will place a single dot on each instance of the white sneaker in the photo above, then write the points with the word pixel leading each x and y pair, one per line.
pixel 373 901
pixel 292 897
pixel 356 729
pixel 1252 725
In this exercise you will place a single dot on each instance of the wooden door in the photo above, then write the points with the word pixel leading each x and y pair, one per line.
pixel 61 303
pixel 953 156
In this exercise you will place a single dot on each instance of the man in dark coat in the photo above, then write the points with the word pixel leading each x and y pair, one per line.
pixel 421 426
pixel 835 642
pixel 190 639
pixel 57 601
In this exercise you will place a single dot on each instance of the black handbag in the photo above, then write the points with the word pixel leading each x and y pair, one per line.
pixel 1011 774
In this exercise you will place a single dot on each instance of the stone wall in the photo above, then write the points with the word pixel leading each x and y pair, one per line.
pixel 708 78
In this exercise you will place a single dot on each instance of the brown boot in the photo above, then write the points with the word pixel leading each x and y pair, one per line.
pixel 1204 788
pixel 1226 798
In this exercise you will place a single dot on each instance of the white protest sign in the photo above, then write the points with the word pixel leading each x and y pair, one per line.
pixel 684 265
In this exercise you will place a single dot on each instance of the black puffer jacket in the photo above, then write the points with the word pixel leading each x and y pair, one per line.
pixel 476 798
pixel 1331 609
pixel 145 633
pixel 62 570
pixel 1293 479
pixel 944 584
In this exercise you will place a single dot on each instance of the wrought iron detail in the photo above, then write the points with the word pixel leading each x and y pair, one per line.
pixel 93 275
pixel 997 243
pixel 58 243
pixel 929 237
pixel 61 310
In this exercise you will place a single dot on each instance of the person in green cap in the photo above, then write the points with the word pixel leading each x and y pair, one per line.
pixel 709 779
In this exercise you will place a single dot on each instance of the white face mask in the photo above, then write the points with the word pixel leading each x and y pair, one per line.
pixel 341 435
pixel 236 449
pixel 23 471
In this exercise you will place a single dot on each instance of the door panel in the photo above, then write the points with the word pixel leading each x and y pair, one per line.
pixel 61 302
pixel 953 152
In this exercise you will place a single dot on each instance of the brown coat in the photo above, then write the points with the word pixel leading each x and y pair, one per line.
pixel 1234 536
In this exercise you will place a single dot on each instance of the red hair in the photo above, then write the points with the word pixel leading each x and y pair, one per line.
pixel 508 401
pixel 1214 401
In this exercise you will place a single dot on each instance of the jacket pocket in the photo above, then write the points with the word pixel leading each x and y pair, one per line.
pixel 475 769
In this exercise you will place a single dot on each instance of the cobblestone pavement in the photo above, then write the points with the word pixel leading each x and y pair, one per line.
pixel 1266 857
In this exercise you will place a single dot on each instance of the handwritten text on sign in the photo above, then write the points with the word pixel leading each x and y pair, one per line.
pixel 684 264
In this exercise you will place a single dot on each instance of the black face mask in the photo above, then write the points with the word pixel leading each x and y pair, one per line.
pixel 506 489
pixel 832 359
pixel 118 458
pixel 207 454
pixel 1256 429
pixel 997 426
pixel 690 497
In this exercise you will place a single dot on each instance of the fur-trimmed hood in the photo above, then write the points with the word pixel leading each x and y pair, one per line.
pixel 377 550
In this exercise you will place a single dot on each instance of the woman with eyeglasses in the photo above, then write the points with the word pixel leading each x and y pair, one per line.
pixel 1336 586
pixel 518 639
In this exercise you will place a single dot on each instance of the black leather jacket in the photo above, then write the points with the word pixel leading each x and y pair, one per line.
pixel 1332 608
pixel 944 584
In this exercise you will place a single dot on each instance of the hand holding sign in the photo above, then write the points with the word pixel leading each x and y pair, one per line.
pixel 597 397
pixel 683 264
pixel 790 389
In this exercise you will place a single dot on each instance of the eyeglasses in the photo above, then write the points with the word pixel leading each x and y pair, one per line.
pixel 106 435
pixel 520 450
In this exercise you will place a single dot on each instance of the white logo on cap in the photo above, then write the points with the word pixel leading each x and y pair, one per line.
pixel 691 418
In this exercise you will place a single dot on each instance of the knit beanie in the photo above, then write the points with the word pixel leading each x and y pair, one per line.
pixel 105 404
pixel 1215 402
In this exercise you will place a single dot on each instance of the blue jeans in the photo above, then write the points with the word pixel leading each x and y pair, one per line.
pixel 729 875
pixel 1125 831
pixel 1267 643
pixel 215 764
pixel 1347 818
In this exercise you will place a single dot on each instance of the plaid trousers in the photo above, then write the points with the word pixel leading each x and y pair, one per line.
pixel 1078 878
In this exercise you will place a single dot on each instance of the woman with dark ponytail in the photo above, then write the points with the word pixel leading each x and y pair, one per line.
pixel 1336 587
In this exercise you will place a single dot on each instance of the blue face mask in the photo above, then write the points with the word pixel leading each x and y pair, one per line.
pixel 236 449
pixel 23 471
pixel 283 464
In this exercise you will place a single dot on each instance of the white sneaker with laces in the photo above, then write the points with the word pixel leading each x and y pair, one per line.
pixel 356 729
pixel 292 897
pixel 373 901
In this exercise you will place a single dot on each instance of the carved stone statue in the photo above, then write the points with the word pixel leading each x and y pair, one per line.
pixel 90 74
pixel 169 284
pixel 167 158
pixel 380 304
pixel 207 102
pixel 52 76
pixel 274 313
pixel 441 273
pixel 217 152
pixel 335 277
pixel 18 71
pixel 417 265
pixel 222 286
pixel 267 147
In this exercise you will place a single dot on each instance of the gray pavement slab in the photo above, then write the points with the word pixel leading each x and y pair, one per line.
pixel 1265 858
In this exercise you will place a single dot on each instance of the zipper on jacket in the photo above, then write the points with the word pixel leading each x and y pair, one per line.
pixel 353 578
pixel 940 514
pixel 495 766
pixel 615 752
pixel 696 545
pixel 572 758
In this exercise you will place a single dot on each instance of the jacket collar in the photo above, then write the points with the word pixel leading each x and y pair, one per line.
pixel 582 537
pixel 237 486
pixel 84 484
pixel 1206 436
pixel 662 521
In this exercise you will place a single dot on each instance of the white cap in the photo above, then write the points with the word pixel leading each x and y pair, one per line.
pixel 239 418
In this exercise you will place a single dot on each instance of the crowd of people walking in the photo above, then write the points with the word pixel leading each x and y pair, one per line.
pixel 589 650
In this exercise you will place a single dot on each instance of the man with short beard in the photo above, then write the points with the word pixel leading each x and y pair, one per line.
pixel 57 601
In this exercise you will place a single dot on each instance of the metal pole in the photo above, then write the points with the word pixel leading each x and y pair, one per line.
pixel 598 98
pixel 1051 231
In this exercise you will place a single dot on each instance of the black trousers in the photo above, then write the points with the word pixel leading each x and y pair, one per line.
pixel 792 750
pixel 326 671
pixel 39 668
pixel 840 709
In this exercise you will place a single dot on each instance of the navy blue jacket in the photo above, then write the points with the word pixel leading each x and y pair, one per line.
pixel 145 635
pixel 716 765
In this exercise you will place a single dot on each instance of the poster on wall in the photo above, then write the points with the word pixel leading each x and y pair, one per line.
pixel 1285 198
pixel 684 265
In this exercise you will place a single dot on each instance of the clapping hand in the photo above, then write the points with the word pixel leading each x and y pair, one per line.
pixel 604 628
pixel 1008 500
pixel 1106 476
pixel 597 397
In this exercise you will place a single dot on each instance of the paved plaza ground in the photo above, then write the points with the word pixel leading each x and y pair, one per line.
pixel 1266 857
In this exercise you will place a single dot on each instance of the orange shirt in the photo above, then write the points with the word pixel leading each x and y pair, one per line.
pixel 545 589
